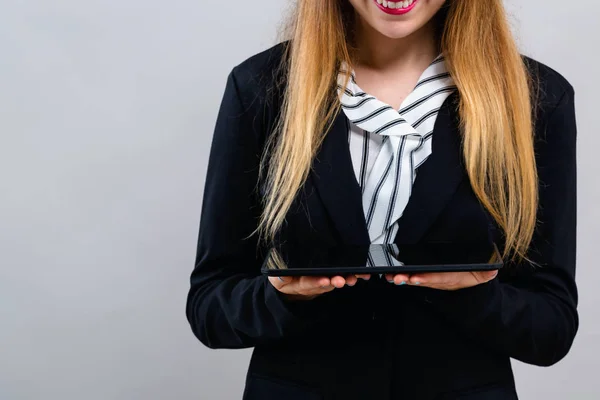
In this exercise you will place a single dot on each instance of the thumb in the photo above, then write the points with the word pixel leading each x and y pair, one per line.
pixel 489 275
pixel 280 281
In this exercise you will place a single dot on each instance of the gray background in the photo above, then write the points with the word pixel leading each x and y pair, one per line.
pixel 106 114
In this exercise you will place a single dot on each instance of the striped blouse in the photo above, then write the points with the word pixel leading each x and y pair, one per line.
pixel 387 146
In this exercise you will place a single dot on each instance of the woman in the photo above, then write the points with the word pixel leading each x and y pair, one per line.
pixel 383 122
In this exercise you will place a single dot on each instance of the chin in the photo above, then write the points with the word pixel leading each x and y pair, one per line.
pixel 397 23
pixel 396 30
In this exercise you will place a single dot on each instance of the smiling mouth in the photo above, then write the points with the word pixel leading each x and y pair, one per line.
pixel 396 4
pixel 399 7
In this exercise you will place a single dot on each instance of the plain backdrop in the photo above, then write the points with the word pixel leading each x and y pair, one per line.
pixel 106 114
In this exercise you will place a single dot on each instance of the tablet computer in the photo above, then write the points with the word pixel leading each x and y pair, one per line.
pixel 304 260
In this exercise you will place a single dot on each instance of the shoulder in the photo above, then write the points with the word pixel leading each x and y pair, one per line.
pixel 262 63
pixel 259 74
pixel 555 120
pixel 550 87
pixel 256 84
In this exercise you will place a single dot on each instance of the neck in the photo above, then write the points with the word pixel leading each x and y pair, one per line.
pixel 381 53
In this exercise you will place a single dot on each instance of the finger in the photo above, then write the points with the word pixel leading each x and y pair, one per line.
pixel 324 282
pixel 308 283
pixel 338 282
pixel 401 279
pixel 366 277
pixel 351 280
pixel 432 279
pixel 491 275
pixel 485 276
pixel 324 285
pixel 397 278
pixel 417 280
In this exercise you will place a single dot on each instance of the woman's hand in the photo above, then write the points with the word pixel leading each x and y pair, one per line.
pixel 444 280
pixel 309 287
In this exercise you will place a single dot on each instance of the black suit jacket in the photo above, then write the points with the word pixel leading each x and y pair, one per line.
pixel 376 340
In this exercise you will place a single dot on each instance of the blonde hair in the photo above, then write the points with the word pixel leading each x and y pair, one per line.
pixel 495 110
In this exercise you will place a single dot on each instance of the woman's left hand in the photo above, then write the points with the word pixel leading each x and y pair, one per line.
pixel 443 280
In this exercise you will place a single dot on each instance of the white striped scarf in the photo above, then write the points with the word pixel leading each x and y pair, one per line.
pixel 385 255
pixel 387 145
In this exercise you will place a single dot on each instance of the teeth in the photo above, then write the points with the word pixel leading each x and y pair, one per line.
pixel 394 5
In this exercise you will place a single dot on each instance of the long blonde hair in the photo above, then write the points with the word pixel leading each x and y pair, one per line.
pixel 495 110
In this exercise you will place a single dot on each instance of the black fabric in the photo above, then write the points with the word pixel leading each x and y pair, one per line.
pixel 376 340
pixel 267 388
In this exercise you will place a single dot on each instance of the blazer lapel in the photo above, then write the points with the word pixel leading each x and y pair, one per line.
pixel 437 179
pixel 333 177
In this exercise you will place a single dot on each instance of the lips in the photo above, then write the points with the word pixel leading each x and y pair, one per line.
pixel 396 7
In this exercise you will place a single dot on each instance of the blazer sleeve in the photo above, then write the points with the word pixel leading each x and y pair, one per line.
pixel 532 316
pixel 230 304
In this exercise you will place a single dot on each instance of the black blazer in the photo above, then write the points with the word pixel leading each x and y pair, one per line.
pixel 376 340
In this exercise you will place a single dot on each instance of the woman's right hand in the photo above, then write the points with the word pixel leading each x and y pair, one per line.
pixel 309 287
